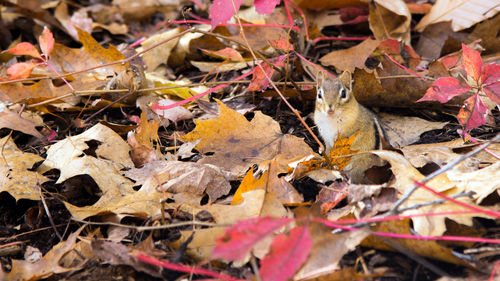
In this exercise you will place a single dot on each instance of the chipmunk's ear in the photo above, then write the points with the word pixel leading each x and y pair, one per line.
pixel 346 79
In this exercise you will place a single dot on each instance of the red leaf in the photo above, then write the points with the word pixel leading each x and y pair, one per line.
pixel 259 80
pixel 491 73
pixel 473 114
pixel 472 62
pixel 20 70
pixel 46 41
pixel 25 48
pixel 282 44
pixel 493 91
pixel 444 89
pixel 241 237
pixel 287 254
pixel 222 10
pixel 265 6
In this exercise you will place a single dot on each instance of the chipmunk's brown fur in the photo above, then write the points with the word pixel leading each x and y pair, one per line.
pixel 338 112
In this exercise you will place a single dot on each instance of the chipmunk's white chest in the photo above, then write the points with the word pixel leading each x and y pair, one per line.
pixel 328 127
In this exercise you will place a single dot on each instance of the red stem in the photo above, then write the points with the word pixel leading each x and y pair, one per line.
pixel 182 268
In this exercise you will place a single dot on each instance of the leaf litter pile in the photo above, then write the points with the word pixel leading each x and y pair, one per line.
pixel 174 140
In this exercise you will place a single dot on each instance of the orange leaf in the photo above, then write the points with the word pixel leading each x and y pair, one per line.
pixel 20 70
pixel 46 41
pixel 25 48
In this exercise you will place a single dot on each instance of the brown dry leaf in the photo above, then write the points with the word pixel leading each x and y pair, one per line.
pixel 140 10
pixel 449 184
pixel 45 267
pixel 487 31
pixel 440 154
pixel 218 66
pixel 351 58
pixel 327 250
pixel 238 144
pixel 462 13
pixel 424 248
pixel 79 18
pixel 270 182
pixel 11 120
pixel 14 175
pixel 65 60
pixel 431 41
pixel 142 142
pixel 404 130
pixel 390 19
pixel 159 55
pixel 181 177
pixel 329 4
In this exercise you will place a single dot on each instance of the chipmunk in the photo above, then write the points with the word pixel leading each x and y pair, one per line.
pixel 338 112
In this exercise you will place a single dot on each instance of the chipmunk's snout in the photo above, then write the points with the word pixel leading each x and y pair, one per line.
pixel 330 109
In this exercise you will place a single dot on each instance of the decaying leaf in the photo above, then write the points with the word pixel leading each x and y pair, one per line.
pixel 45 267
pixel 14 175
pixel 181 177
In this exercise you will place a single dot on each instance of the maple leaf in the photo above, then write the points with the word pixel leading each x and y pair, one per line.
pixel 240 238
pixel 237 143
pixel 485 80
pixel 288 253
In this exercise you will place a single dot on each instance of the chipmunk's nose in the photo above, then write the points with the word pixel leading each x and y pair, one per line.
pixel 330 110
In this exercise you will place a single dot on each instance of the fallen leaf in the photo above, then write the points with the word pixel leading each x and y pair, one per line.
pixel 181 177
pixel 351 58
pixel 11 120
pixel 404 130
pixel 288 253
pixel 238 144
pixel 240 238
pixel 159 55
pixel 462 13
pixel 15 177
pixel 45 267
pixel 390 19
pixel 425 248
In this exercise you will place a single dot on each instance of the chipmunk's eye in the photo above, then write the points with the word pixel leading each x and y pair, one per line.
pixel 320 93
pixel 343 93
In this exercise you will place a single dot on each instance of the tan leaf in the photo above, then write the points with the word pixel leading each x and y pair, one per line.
pixel 462 13
pixel 14 175
pixel 181 177
pixel 405 175
pixel 45 267
pixel 270 182
pixel 390 19
pixel 404 130
pixel 11 120
pixel 154 57
pixel 351 58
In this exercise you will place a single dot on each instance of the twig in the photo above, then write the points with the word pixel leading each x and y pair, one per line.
pixel 48 214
